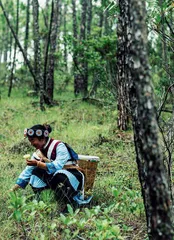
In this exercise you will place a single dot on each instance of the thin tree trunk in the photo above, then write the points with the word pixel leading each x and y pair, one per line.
pixel 95 83
pixel 37 54
pixel 122 66
pixel 106 23
pixel 46 37
pixel 81 81
pixel 17 41
pixel 5 43
pixel 83 37
pixel 51 60
pixel 47 13
pixel 97 72
pixel 27 27
pixel 15 47
pixel 163 42
pixel 171 18
pixel 59 23
pixel 101 18
pixel 89 18
pixel 65 55
pixel 47 48
pixel 11 46
pixel 75 36
pixel 36 37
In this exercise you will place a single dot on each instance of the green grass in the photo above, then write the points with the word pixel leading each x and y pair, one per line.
pixel 117 207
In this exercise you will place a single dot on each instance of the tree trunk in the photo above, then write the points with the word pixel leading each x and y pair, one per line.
pixel 171 57
pixel 122 66
pixel 95 83
pixel 47 13
pixel 37 54
pixel 14 56
pixel 5 43
pixel 36 37
pixel 59 23
pixel 65 55
pixel 46 37
pixel 11 46
pixel 47 45
pixel 75 36
pixel 27 27
pixel 51 60
pixel 106 22
pixel 145 129
pixel 81 80
pixel 17 41
pixel 89 18
pixel 101 19
pixel 97 72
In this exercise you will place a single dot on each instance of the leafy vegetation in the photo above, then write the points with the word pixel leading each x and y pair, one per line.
pixel 87 123
pixel 116 211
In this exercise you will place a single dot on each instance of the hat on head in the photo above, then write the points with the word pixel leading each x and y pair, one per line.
pixel 37 131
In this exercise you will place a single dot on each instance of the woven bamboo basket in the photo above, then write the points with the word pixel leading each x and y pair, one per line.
pixel 89 165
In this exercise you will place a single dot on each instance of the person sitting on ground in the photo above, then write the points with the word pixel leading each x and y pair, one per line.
pixel 54 170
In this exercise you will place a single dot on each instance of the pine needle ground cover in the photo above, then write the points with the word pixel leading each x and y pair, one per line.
pixel 116 211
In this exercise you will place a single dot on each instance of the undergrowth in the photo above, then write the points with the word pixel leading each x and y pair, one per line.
pixel 116 211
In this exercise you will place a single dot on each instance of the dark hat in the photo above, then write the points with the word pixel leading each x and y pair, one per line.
pixel 37 131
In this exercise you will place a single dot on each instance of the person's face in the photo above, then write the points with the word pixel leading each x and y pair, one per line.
pixel 37 143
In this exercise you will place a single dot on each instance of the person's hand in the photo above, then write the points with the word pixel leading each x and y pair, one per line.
pixel 31 162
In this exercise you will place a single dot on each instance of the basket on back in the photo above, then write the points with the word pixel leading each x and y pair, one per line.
pixel 89 166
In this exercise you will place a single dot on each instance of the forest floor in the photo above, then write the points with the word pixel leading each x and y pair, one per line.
pixel 116 211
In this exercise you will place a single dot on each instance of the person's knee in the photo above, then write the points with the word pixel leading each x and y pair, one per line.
pixel 58 181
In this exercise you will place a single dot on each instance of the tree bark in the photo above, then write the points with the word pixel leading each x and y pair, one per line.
pixel 81 80
pixel 36 37
pixel 27 27
pixel 75 39
pixel 15 48
pixel 51 59
pixel 106 23
pixel 97 72
pixel 101 19
pixel 89 18
pixel 17 41
pixel 59 23
pixel 145 129
pixel 37 54
pixel 65 55
pixel 47 45
pixel 122 67
pixel 5 39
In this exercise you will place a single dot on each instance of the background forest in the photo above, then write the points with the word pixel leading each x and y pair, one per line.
pixel 105 84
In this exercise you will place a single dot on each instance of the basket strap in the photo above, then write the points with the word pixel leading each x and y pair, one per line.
pixel 83 176
pixel 74 167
